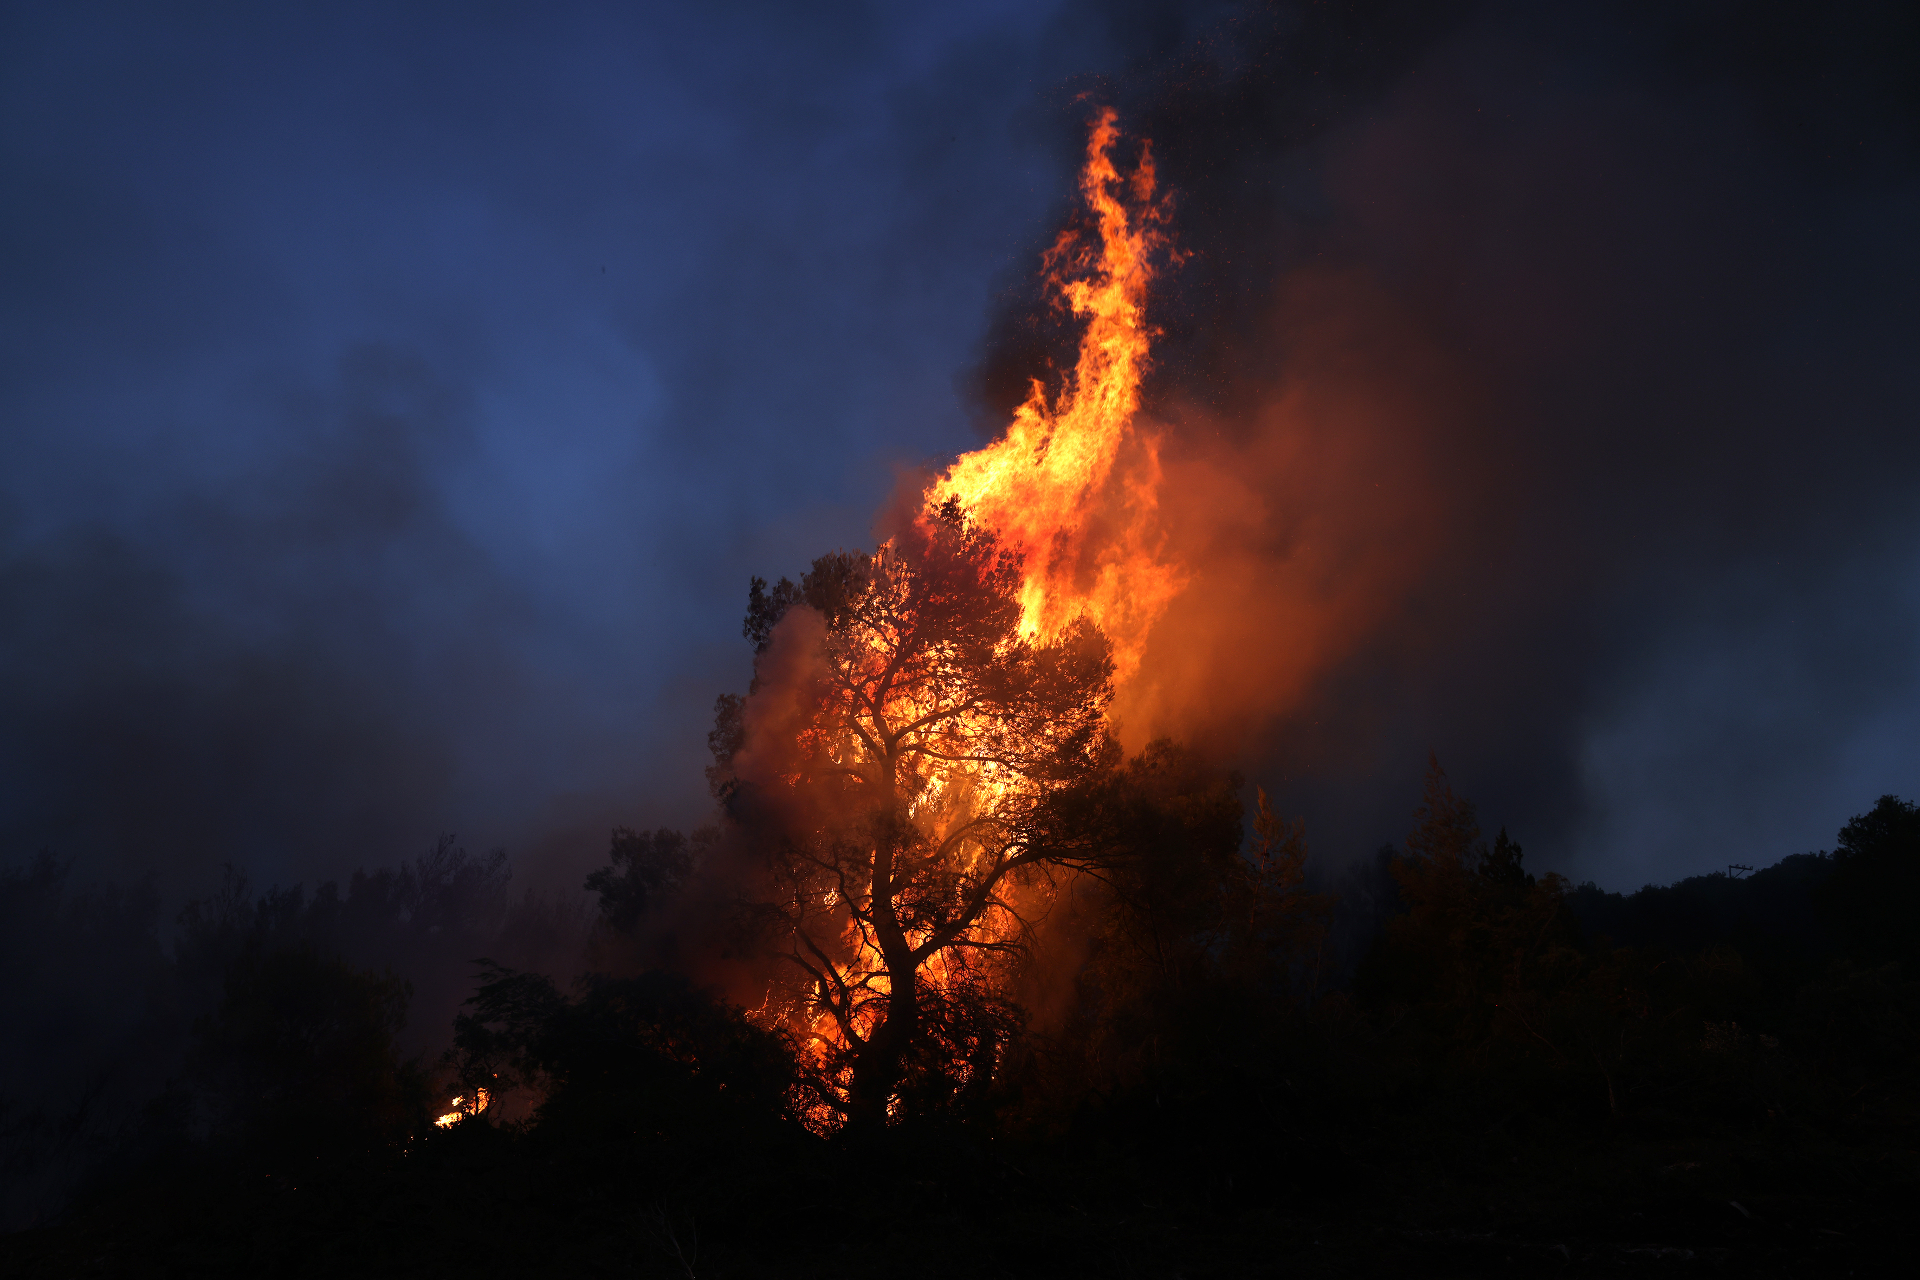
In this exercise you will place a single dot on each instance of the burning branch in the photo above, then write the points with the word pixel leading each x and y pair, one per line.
pixel 917 713
pixel 909 793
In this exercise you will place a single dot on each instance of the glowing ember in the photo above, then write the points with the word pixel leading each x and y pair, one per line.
pixel 464 1107
pixel 1072 484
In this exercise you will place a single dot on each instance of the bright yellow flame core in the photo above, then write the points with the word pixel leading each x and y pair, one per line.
pixel 464 1107
pixel 1061 486
pixel 1071 486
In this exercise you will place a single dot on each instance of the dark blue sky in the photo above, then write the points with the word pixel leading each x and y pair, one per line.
pixel 396 399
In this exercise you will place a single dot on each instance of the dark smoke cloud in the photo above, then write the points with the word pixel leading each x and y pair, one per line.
pixel 1540 390
pixel 284 669
pixel 394 402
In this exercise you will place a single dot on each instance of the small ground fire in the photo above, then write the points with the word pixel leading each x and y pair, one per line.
pixel 464 1107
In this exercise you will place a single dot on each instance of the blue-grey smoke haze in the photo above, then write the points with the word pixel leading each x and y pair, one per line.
pixel 395 400
pixel 398 397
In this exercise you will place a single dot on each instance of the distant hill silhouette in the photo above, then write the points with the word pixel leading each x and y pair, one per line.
pixel 1769 915
pixel 1804 910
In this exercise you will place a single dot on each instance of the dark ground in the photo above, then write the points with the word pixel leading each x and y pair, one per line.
pixel 479 1204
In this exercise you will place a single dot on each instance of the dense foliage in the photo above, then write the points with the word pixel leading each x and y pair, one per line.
pixel 900 777
pixel 1718 1071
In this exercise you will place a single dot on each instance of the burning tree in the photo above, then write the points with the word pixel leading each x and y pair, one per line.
pixel 922 715
pixel 901 762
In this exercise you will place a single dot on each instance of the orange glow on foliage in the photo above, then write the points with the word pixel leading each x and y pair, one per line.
pixel 1071 492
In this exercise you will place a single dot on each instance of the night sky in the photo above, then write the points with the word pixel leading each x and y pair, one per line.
pixel 397 398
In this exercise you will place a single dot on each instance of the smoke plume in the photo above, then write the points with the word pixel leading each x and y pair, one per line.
pixel 1537 389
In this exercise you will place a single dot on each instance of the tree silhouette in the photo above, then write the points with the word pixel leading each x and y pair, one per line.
pixel 900 764
pixel 1476 923
pixel 1868 900
pixel 643 867
pixel 301 1058
pixel 1183 951
pixel 624 1059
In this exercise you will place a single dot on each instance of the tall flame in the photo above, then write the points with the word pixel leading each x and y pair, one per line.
pixel 1073 484
pixel 1072 487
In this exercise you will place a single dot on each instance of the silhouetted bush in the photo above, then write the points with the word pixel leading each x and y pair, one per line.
pixel 646 1059
pixel 300 1059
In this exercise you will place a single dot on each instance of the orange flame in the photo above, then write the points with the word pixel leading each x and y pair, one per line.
pixel 1073 484
pixel 1073 487
pixel 464 1107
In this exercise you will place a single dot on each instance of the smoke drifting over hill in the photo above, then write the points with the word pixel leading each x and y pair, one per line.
pixel 397 401
pixel 1539 388
pixel 1536 388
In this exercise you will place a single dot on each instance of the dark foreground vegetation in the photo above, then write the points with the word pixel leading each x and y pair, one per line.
pixel 1717 1076
pixel 954 989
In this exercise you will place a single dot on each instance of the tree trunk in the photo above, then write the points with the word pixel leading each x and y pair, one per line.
pixel 878 1070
